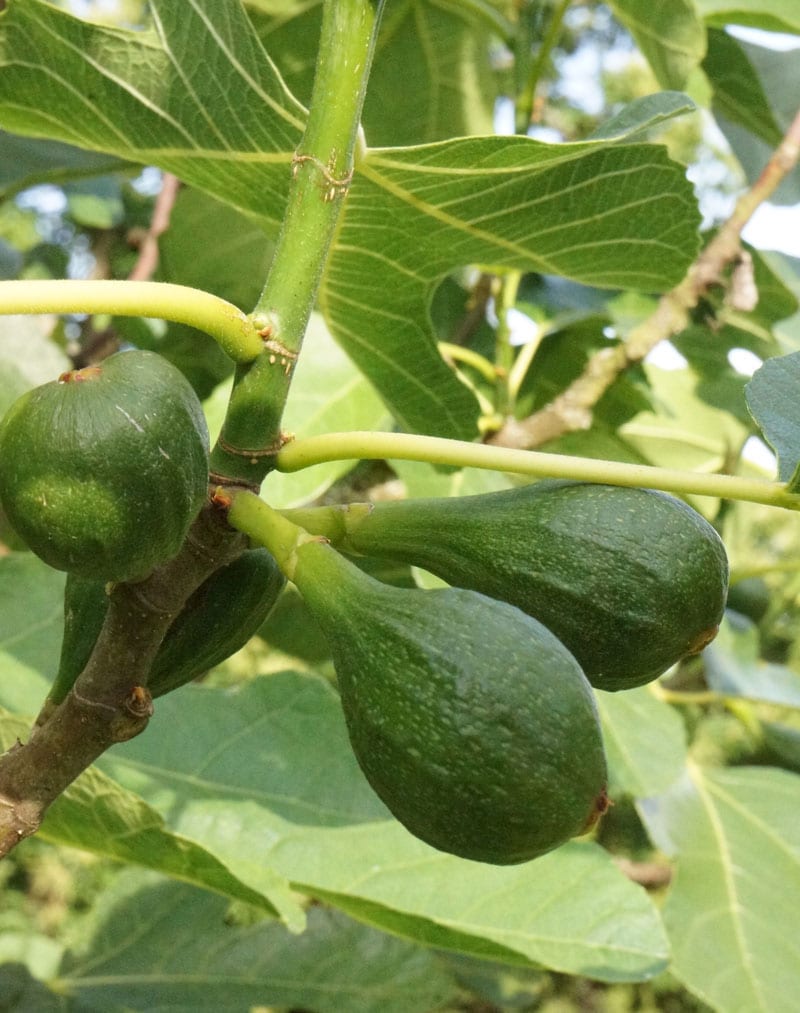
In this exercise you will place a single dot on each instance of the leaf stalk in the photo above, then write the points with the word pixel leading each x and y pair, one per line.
pixel 235 332
pixel 313 450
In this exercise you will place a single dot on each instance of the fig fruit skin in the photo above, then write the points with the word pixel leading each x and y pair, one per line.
pixel 103 471
pixel 630 580
pixel 217 620
pixel 471 721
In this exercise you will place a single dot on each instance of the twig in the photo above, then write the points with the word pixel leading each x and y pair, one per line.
pixel 109 701
pixel 573 409
pixel 147 261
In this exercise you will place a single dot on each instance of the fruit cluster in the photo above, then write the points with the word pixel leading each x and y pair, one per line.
pixel 470 708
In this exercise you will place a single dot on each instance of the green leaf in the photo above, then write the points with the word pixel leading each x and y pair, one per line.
pixel 31 623
pixel 671 36
pixel 139 95
pixel 645 742
pixel 613 215
pixel 604 215
pixel 425 480
pixel 739 95
pixel 439 45
pixel 771 398
pixel 754 103
pixel 100 816
pixel 27 358
pixel 160 945
pixel 731 912
pixel 23 994
pixel 25 162
pixel 232 266
pixel 770 15
pixel 733 666
pixel 644 114
pixel 268 780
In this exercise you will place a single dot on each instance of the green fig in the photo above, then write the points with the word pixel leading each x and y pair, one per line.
pixel 103 470
pixel 630 580
pixel 217 620
pixel 472 722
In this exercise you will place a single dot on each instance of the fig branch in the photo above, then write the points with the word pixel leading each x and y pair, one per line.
pixel 572 409
pixel 109 701
pixel 313 450
pixel 236 332
pixel 322 171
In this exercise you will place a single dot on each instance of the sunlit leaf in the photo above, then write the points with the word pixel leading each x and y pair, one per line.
pixel 645 741
pixel 267 779
pixel 100 816
pixel 770 15
pixel 606 214
pixel 731 913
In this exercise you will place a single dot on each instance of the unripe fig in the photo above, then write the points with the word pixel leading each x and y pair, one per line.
pixel 630 580
pixel 750 597
pixel 217 620
pixel 103 471
pixel 471 721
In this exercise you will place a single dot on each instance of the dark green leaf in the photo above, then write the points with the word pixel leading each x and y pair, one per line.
pixel 772 398
pixel 754 102
pixel 27 162
pixel 156 945
pixel 438 45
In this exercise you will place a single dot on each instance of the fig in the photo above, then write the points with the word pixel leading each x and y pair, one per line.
pixel 629 580
pixel 103 470
pixel 217 620
pixel 471 721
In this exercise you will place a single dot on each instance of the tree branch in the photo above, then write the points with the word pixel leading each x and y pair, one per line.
pixel 573 409
pixel 147 261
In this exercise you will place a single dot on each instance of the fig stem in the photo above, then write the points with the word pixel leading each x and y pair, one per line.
pixel 321 173
pixel 305 453
pixel 233 330
pixel 249 514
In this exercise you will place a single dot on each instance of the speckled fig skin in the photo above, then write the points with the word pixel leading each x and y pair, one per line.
pixel 103 470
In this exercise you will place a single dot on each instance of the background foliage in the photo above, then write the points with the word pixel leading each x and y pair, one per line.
pixel 259 868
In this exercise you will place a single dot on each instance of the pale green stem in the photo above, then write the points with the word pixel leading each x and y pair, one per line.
pixel 233 330
pixel 522 363
pixel 458 353
pixel 313 450
pixel 504 352
pixel 249 514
